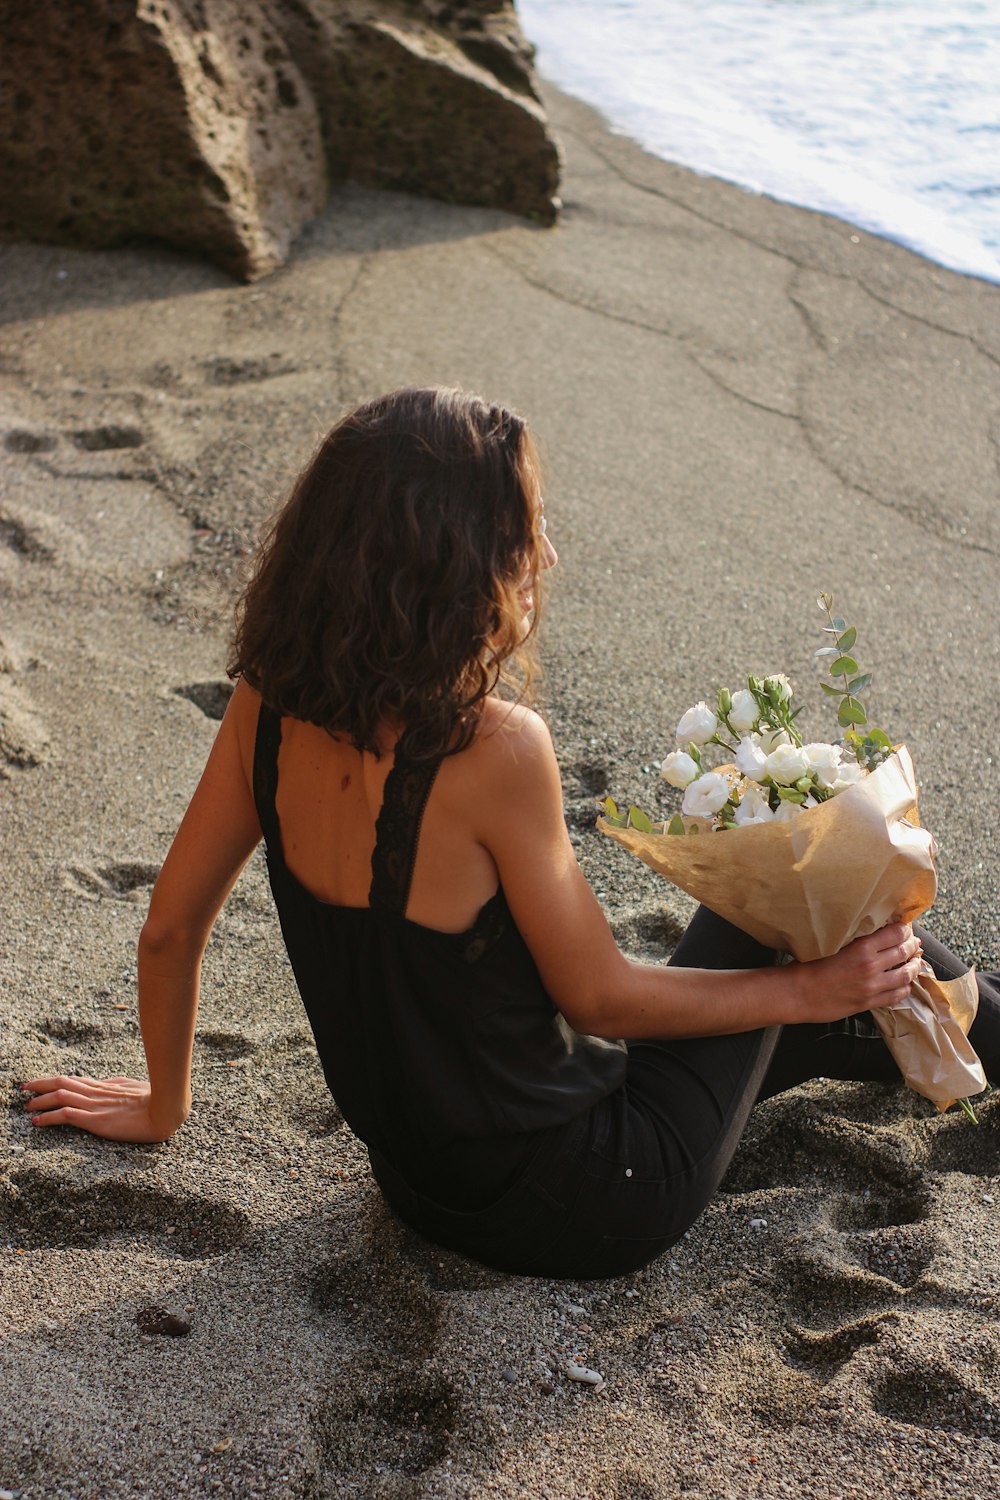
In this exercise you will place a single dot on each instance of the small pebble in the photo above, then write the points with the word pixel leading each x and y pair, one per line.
pixel 159 1320
pixel 987 1197
pixel 584 1375
pixel 575 1309
pixel 510 1376
pixel 758 1223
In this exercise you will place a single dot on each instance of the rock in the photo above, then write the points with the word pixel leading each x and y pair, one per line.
pixel 582 1374
pixel 159 1320
pixel 185 122
pixel 215 128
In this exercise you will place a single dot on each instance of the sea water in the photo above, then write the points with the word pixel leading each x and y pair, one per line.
pixel 884 112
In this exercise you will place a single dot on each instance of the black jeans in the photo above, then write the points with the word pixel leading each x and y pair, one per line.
pixel 608 1192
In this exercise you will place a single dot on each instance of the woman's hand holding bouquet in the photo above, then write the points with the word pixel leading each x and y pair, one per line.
pixel 822 846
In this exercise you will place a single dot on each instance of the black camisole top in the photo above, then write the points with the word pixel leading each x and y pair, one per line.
pixel 429 1040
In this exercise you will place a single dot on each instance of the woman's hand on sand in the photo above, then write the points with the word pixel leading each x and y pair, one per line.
pixel 870 973
pixel 117 1108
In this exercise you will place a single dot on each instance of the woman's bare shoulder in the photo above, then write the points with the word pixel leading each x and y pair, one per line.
pixel 241 720
pixel 512 735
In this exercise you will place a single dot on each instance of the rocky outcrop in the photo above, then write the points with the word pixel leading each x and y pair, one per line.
pixel 216 127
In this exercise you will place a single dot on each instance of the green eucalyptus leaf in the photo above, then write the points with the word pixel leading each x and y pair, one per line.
pixel 827 651
pixel 858 684
pixel 834 692
pixel 848 638
pixel 638 820
pixel 676 824
pixel 880 738
pixel 610 807
pixel 851 713
pixel 844 666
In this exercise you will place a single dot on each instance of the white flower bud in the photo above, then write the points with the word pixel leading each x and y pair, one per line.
pixel 697 726
pixel 744 712
pixel 778 686
pixel 679 769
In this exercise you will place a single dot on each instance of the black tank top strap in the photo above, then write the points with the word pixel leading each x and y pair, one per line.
pixel 407 788
pixel 265 776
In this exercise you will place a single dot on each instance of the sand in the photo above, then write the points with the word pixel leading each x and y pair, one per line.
pixel 740 404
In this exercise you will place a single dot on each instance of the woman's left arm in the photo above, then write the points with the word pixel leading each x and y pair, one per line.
pixel 218 834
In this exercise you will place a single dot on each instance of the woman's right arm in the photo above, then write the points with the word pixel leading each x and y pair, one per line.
pixel 599 990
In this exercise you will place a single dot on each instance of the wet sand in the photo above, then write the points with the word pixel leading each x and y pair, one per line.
pixel 740 403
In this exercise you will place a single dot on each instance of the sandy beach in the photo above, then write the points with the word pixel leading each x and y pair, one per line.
pixel 740 404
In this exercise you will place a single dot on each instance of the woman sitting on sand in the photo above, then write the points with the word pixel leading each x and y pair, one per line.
pixel 463 985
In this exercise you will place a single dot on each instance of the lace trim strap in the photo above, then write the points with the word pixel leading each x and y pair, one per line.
pixel 265 776
pixel 397 831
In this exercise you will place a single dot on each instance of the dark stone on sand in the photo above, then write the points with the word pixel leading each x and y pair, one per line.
pixel 159 1320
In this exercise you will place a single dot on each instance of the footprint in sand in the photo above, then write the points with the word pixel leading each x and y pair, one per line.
pixel 23 540
pixel 960 1147
pixel 41 1210
pixel 584 783
pixel 211 697
pixel 245 371
pixel 115 882
pixel 226 1044
pixel 649 935
pixel 20 440
pixel 386 1414
pixel 67 1031
pixel 24 739
pixel 923 1394
pixel 824 1351
pixel 113 435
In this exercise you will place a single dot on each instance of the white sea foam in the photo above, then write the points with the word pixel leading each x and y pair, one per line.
pixel 884 112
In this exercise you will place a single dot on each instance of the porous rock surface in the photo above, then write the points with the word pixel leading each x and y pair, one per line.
pixel 216 127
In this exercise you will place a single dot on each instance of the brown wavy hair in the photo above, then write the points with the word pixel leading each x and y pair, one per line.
pixel 386 591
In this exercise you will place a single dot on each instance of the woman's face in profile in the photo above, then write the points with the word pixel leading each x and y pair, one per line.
pixel 549 558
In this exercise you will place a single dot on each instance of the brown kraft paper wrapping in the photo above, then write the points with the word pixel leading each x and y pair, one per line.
pixel 838 872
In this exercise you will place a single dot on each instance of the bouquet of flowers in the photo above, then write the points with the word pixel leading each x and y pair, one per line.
pixel 822 845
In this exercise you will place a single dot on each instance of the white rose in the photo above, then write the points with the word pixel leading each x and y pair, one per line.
pixel 705 796
pixel 849 774
pixel 789 810
pixel 753 808
pixel 770 739
pixel 786 764
pixel 679 769
pixel 824 760
pixel 744 713
pixel 778 685
pixel 697 726
pixel 750 758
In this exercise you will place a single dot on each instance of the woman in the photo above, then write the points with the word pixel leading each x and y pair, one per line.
pixel 463 986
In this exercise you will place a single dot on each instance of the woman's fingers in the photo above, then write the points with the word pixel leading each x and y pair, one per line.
pixel 896 983
pixel 66 1115
pixel 86 1095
